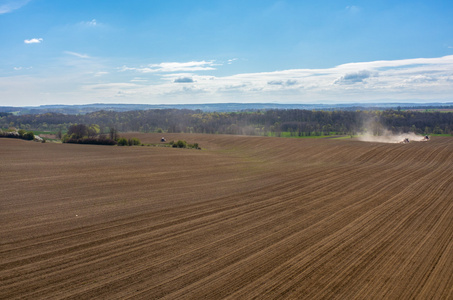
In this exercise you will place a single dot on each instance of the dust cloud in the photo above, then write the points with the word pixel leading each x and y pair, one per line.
pixel 389 137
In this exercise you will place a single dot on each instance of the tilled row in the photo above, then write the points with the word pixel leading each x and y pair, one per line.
pixel 355 220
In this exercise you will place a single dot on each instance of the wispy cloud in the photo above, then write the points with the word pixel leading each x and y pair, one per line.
pixel 33 41
pixel 138 79
pixel 116 85
pixel 288 82
pixel 168 67
pixel 91 23
pixel 79 55
pixel 100 73
pixel 7 6
pixel 353 9
pixel 22 68
pixel 230 61
pixel 422 79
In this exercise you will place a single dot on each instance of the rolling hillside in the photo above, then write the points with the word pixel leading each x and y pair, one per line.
pixel 244 218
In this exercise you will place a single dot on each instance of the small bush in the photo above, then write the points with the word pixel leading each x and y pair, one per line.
pixel 29 136
pixel 123 142
pixel 129 142
pixel 22 132
pixel 95 140
pixel 180 144
pixel 183 144
pixel 133 142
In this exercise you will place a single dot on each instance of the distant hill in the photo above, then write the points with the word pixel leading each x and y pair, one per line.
pixel 214 107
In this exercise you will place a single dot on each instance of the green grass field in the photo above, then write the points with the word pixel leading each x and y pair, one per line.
pixel 37 132
pixel 441 134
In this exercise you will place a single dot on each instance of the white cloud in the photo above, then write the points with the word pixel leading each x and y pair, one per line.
pixel 33 41
pixel 398 79
pixel 100 73
pixel 168 67
pixel 91 23
pixel 22 68
pixel 138 79
pixel 420 79
pixel 140 70
pixel 79 55
pixel 115 85
pixel 7 6
pixel 230 61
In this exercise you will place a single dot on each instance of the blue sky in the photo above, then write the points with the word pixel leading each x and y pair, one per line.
pixel 156 52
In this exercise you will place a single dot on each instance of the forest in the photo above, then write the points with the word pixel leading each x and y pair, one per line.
pixel 272 122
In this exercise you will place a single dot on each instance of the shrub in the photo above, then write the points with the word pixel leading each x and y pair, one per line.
pixel 22 132
pixel 180 144
pixel 129 142
pixel 29 136
pixel 78 131
pixel 122 142
pixel 134 142
pixel 183 144
pixel 100 140
pixel 96 141
pixel 65 138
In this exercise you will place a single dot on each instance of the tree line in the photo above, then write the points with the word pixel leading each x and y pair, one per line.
pixel 17 134
pixel 274 122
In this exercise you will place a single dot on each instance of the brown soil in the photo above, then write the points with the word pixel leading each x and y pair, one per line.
pixel 244 218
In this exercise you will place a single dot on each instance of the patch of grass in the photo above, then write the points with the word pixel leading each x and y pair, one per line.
pixel 441 134
pixel 311 137
pixel 344 137
pixel 165 145
pixel 37 132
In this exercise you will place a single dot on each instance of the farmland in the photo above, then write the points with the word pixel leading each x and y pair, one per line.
pixel 243 218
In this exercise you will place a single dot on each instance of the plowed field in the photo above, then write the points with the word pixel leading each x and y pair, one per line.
pixel 244 218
